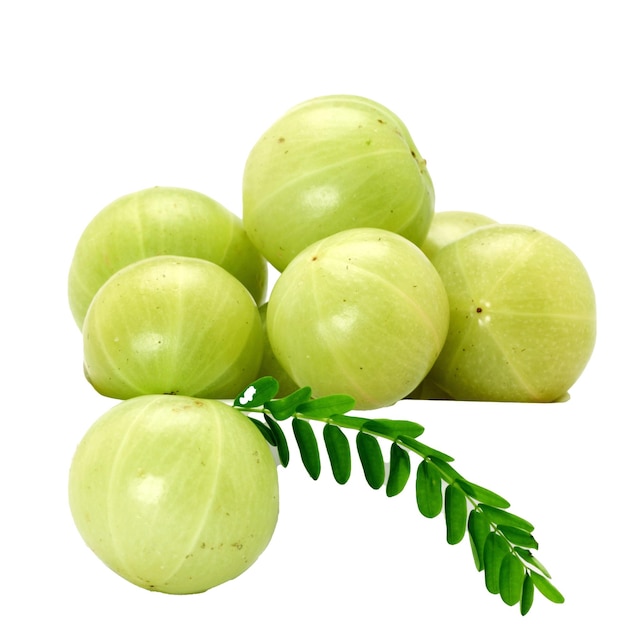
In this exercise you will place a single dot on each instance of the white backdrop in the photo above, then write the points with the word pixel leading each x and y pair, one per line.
pixel 518 108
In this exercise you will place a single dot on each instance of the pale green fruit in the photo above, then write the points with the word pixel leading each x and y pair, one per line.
pixel 362 312
pixel 174 494
pixel 330 164
pixel 522 316
pixel 270 366
pixel 157 221
pixel 176 325
pixel 446 226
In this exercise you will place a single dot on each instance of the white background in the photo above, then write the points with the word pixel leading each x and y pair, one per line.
pixel 519 109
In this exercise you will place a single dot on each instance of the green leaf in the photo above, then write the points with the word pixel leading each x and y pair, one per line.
pixel 532 560
pixel 399 470
pixel 511 579
pixel 307 444
pixel 455 513
pixel 498 516
pixel 518 537
pixel 528 594
pixel 348 421
pixel 496 548
pixel 448 473
pixel 338 449
pixel 479 528
pixel 423 450
pixel 257 393
pixel 428 489
pixel 546 588
pixel 392 429
pixel 284 408
pixel 266 431
pixel 371 457
pixel 327 406
pixel 485 496
pixel 281 442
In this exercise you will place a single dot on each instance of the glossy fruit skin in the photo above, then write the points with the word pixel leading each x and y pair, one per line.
pixel 522 316
pixel 175 325
pixel 161 221
pixel 175 494
pixel 362 312
pixel 329 164
pixel 446 226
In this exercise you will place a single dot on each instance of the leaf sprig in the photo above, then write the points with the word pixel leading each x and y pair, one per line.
pixel 501 542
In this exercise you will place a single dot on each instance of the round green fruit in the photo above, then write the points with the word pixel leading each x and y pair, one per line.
pixel 447 226
pixel 174 494
pixel 330 164
pixel 270 366
pixel 176 325
pixel 522 316
pixel 362 312
pixel 161 221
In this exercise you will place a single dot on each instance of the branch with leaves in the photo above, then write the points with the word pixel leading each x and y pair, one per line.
pixel 501 542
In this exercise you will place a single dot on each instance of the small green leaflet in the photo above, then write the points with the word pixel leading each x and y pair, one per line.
pixel 500 541
pixel 371 457
pixel 307 443
pixel 266 431
pixel 455 505
pixel 399 470
pixel 483 495
pixel 393 429
pixel 281 442
pixel 447 472
pixel 518 537
pixel 338 448
pixel 546 588
pixel 528 594
pixel 284 408
pixel 496 548
pixel 511 579
pixel 258 393
pixel 428 489
pixel 527 556
pixel 478 527
pixel 498 516
pixel 348 421
pixel 326 406
pixel 423 450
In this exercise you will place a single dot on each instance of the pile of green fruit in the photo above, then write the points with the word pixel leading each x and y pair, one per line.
pixel 378 298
